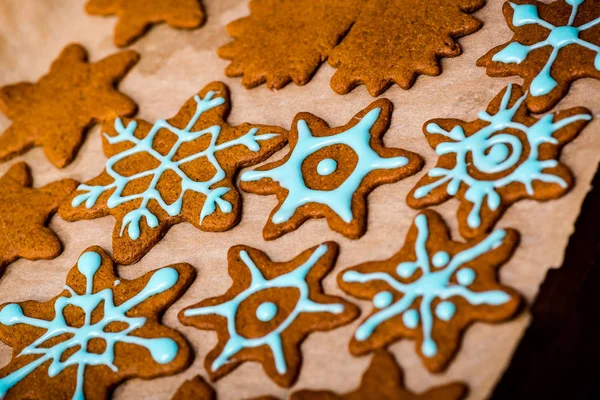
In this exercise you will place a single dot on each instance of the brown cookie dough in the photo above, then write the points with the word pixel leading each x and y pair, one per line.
pixel 195 389
pixel 553 45
pixel 136 16
pixel 432 290
pixel 269 310
pixel 179 170
pixel 25 212
pixel 99 332
pixel 286 40
pixel 329 172
pixel 383 380
pixel 394 41
pixel 504 156
pixel 56 112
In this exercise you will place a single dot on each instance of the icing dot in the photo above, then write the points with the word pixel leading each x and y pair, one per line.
pixel 411 319
pixel 266 311
pixel 429 348
pixel 406 269
pixel 89 263
pixel 440 259
pixel 498 153
pixel 383 299
pixel 326 166
pixel 465 276
pixel 445 310
pixel 11 314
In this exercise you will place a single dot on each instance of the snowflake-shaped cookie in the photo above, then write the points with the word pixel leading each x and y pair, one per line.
pixel 98 332
pixel 330 171
pixel 505 156
pixel 553 45
pixel 432 289
pixel 269 310
pixel 173 171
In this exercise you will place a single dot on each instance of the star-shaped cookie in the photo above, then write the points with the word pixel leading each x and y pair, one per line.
pixel 383 380
pixel 136 16
pixel 56 112
pixel 504 156
pixel 431 290
pixel 553 45
pixel 329 172
pixel 25 211
pixel 269 310
pixel 98 332
pixel 178 170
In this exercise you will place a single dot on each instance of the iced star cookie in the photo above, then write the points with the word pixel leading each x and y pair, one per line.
pixel 504 156
pixel 56 112
pixel 137 16
pixel 269 310
pixel 432 290
pixel 25 212
pixel 329 172
pixel 178 170
pixel 97 333
pixel 383 380
pixel 553 45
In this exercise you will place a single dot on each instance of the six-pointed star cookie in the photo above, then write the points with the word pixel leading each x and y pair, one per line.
pixel 431 290
pixel 173 171
pixel 329 172
pixel 136 16
pixel 25 211
pixel 490 163
pixel 553 45
pixel 269 310
pixel 98 332
pixel 56 112
pixel 383 380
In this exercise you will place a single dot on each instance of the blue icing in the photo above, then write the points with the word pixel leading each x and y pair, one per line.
pixel 558 38
pixel 466 276
pixel 440 259
pixel 383 299
pixel 162 350
pixel 289 174
pixel 431 285
pixel 489 154
pixel 293 279
pixel 266 311
pixel 167 163
pixel 326 167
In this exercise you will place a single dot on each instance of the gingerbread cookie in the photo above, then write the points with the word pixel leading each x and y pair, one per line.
pixel 432 290
pixel 25 212
pixel 393 41
pixel 136 16
pixel 286 40
pixel 553 45
pixel 504 156
pixel 98 332
pixel 269 310
pixel 56 112
pixel 195 389
pixel 329 172
pixel 383 380
pixel 173 171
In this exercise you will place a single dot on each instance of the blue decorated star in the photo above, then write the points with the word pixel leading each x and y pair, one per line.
pixel 269 310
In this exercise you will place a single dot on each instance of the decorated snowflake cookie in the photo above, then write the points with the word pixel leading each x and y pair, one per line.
pixel 431 290
pixel 504 156
pixel 177 170
pixel 329 172
pixel 269 310
pixel 98 332
pixel 553 45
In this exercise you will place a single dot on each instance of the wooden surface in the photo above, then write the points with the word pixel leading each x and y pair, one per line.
pixel 558 356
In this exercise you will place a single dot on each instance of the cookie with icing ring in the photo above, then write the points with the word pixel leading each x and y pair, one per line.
pixel 431 290
pixel 554 44
pixel 176 170
pixel 329 172
pixel 504 156
pixel 98 332
pixel 269 310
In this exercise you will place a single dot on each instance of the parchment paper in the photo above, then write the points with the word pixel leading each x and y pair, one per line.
pixel 175 65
